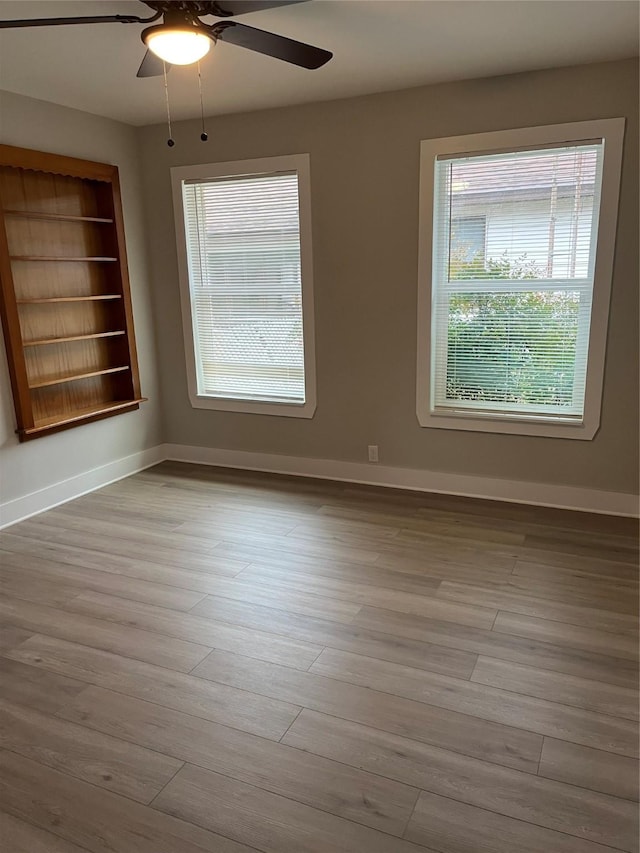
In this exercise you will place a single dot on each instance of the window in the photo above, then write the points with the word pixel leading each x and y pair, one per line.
pixel 244 245
pixel 516 255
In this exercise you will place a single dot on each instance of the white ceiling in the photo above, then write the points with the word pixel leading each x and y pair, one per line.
pixel 378 45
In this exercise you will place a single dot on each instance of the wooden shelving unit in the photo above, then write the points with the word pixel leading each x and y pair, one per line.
pixel 66 304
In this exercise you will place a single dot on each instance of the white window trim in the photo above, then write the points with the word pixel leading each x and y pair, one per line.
pixel 299 163
pixel 612 131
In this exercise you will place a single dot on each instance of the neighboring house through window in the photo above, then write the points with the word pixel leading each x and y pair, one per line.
pixel 517 237
pixel 468 238
pixel 244 245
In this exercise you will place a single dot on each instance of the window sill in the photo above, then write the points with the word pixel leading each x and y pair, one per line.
pixel 549 427
pixel 254 407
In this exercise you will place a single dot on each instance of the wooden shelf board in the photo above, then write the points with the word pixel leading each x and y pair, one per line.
pixel 44 341
pixel 93 413
pixel 74 376
pixel 46 299
pixel 59 217
pixel 58 258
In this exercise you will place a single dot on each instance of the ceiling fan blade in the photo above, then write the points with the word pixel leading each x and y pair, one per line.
pixel 296 52
pixel 152 66
pixel 95 19
pixel 227 8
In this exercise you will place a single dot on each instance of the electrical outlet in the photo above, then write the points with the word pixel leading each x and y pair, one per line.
pixel 373 452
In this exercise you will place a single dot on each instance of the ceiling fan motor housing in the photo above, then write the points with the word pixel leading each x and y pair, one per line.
pixel 192 8
pixel 178 17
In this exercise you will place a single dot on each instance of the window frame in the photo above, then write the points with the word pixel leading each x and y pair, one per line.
pixel 300 164
pixel 612 132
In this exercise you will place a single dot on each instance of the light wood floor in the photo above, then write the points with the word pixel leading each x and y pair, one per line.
pixel 197 660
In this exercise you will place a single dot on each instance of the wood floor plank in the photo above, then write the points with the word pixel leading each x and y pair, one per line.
pixel 573 636
pixel 417 565
pixel 196 629
pixel 511 793
pixel 270 822
pixel 121 640
pixel 148 549
pixel 86 508
pixel 319 782
pixel 16 584
pixel 346 637
pixel 415 584
pixel 143 572
pixel 487 703
pixel 453 827
pixel 472 736
pixel 612 578
pixel 487 534
pixel 492 560
pixel 279 543
pixel 36 688
pixel 529 605
pixel 98 820
pixel 316 525
pixel 527 651
pixel 105 761
pixel 110 560
pixel 21 837
pixel 65 518
pixel 351 534
pixel 547 565
pixel 590 768
pixel 163 595
pixel 430 533
pixel 487 529
pixel 368 573
pixel 215 500
pixel 210 520
pixel 144 545
pixel 365 594
pixel 558 588
pixel 590 545
pixel 301 602
pixel 556 687
pixel 217 702
pixel 11 636
pixel 294 601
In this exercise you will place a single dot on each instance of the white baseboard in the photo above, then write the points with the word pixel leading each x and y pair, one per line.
pixel 514 491
pixel 74 487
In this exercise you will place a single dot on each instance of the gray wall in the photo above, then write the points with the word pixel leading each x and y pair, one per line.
pixel 364 172
pixel 365 161
pixel 48 460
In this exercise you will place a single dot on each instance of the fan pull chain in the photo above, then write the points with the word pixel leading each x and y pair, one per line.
pixel 170 141
pixel 204 135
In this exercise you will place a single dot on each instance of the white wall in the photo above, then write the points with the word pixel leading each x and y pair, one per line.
pixel 46 461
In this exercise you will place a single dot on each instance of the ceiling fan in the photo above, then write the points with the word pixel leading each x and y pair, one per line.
pixel 183 37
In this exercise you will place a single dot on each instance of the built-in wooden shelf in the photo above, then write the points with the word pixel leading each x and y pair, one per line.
pixel 59 380
pixel 57 217
pixel 91 413
pixel 44 300
pixel 59 258
pixel 61 340
pixel 68 324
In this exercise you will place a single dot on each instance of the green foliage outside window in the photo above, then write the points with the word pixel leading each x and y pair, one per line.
pixel 516 347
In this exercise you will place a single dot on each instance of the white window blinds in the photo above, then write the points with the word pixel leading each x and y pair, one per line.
pixel 513 269
pixel 243 255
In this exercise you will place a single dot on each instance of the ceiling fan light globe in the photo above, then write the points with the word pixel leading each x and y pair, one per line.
pixel 177 46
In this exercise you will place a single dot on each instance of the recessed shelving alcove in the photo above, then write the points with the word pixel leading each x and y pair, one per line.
pixel 66 304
